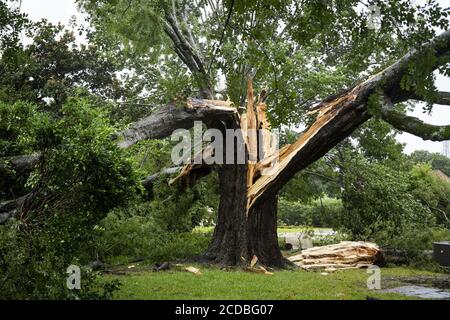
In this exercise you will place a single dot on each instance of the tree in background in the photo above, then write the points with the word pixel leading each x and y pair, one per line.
pixel 436 160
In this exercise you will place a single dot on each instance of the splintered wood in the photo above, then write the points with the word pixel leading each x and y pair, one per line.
pixel 252 136
pixel 257 136
pixel 344 255
pixel 266 165
pixel 327 112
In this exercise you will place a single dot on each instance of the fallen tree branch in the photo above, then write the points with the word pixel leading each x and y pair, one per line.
pixel 18 163
pixel 147 183
pixel 9 209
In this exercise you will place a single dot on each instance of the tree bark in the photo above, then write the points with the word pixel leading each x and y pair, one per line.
pixel 242 232
pixel 239 235
pixel 262 233
pixel 229 243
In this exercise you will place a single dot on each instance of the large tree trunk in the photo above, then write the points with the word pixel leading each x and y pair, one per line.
pixel 229 241
pixel 239 236
pixel 262 235
pixel 242 231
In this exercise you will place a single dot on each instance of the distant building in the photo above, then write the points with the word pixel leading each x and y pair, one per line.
pixel 446 148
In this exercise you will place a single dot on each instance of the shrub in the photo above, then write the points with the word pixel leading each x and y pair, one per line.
pixel 33 262
pixel 377 198
pixel 390 208
pixel 432 191
pixel 81 176
pixel 330 239
pixel 319 213
pixel 141 236
pixel 412 246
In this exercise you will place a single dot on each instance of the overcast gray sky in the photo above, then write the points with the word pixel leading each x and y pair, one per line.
pixel 62 10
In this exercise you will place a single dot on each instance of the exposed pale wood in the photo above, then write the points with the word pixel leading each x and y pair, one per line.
pixel 270 161
pixel 338 116
pixel 333 266
pixel 346 254
pixel 253 262
pixel 264 181
pixel 266 145
pixel 193 270
pixel 244 127
pixel 260 269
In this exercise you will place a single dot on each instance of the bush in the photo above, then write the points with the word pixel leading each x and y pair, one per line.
pixel 432 191
pixel 81 176
pixel 378 198
pixel 412 246
pixel 125 237
pixel 330 239
pixel 392 208
pixel 318 213
pixel 33 262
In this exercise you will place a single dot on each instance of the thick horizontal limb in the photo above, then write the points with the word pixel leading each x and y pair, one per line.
pixel 147 183
pixel 164 121
pixel 18 163
pixel 443 98
pixel 158 125
pixel 412 125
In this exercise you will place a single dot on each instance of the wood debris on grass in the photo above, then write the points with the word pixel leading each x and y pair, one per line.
pixel 162 266
pixel 193 270
pixel 259 269
pixel 253 262
pixel 341 256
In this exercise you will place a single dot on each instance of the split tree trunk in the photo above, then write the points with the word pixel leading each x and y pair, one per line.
pixel 262 233
pixel 242 231
pixel 239 236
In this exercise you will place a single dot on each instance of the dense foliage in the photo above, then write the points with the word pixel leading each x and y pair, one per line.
pixel 81 176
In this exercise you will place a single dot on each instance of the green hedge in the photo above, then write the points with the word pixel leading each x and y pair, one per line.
pixel 317 214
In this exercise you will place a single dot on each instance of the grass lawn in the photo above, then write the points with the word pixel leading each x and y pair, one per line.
pixel 215 283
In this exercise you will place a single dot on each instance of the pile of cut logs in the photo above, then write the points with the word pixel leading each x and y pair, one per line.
pixel 344 255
